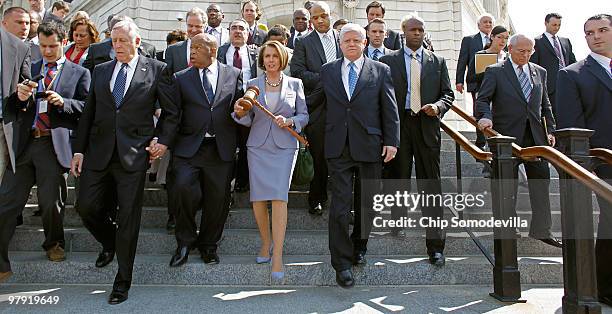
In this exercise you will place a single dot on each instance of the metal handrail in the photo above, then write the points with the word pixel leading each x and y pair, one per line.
pixel 558 159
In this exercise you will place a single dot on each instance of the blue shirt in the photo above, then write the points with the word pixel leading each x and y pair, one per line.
pixel 41 87
pixel 408 58
pixel 381 51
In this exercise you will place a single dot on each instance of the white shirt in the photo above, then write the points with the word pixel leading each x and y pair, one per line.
pixel 552 42
pixel 525 69
pixel 483 37
pixel 295 35
pixel 246 61
pixel 381 51
pixel 217 32
pixel 188 50
pixel 603 61
pixel 131 68
pixel 212 73
pixel 330 32
pixel 345 72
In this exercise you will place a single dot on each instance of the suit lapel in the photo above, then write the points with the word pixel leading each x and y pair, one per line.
pixel 478 41
pixel 337 42
pixel 338 81
pixel 511 75
pixel 366 72
pixel 221 77
pixel 549 45
pixel 284 87
pixel 402 62
pixel 537 83
pixel 427 64
pixel 262 90
pixel 319 46
pixel 598 72
pixel 140 74
pixel 197 82
pixel 105 81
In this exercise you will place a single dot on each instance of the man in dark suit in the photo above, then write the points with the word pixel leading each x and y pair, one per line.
pixel 243 57
pixel 204 148
pixel 469 46
pixel 256 34
pixel 172 38
pixel 311 52
pixel 516 90
pixel 301 17
pixel 552 53
pixel 584 95
pixel 215 17
pixel 41 142
pixel 103 51
pixel 360 123
pixel 376 10
pixel 15 68
pixel 376 30
pixel 177 55
pixel 110 149
pixel 424 94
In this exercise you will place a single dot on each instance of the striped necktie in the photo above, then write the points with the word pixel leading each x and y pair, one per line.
pixel 329 47
pixel 375 54
pixel 525 83
pixel 352 78
pixel 558 52
pixel 415 83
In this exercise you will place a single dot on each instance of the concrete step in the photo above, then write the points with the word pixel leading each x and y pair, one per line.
pixel 310 270
pixel 297 242
pixel 297 218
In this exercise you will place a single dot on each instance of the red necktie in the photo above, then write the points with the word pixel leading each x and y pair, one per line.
pixel 237 59
pixel 42 119
pixel 250 39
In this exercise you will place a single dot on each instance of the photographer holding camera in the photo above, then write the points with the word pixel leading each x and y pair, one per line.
pixel 49 105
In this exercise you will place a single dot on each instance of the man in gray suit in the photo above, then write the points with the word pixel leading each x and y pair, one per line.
pixel 361 122
pixel 311 52
pixel 16 21
pixel 177 55
pixel 41 143
pixel 15 67
pixel 516 90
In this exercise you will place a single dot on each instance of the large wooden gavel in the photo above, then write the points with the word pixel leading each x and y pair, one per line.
pixel 250 99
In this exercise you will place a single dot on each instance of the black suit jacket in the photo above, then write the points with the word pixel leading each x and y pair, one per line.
pixel 252 57
pixel 176 57
pixel 259 36
pixel 435 89
pixel 469 46
pixel 196 113
pixel 501 99
pixel 584 98
pixel 369 119
pixel 159 55
pixel 128 129
pixel 103 52
pixel 306 63
pixel 544 56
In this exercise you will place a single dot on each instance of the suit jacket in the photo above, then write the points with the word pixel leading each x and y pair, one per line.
pixel 369 119
pixel 469 46
pixel 306 63
pixel 176 57
pixel 159 56
pixel 392 41
pixel 259 35
pixel 225 36
pixel 584 95
pixel 501 99
pixel 129 128
pixel 435 89
pixel 35 54
pixel 292 104
pixel 83 57
pixel 545 56
pixel 252 57
pixel 103 52
pixel 15 68
pixel 196 113
pixel 72 84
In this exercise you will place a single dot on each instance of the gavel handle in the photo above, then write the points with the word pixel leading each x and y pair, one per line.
pixel 292 131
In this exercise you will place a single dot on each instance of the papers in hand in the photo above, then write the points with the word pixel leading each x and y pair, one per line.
pixel 483 60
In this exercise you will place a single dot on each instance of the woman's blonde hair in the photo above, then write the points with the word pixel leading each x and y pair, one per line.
pixel 280 49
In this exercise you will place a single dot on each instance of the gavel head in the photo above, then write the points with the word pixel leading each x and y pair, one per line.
pixel 249 98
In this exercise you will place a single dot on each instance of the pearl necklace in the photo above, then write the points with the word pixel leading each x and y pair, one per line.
pixel 273 84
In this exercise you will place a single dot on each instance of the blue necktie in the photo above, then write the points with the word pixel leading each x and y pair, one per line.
pixel 208 88
pixel 525 84
pixel 375 55
pixel 352 78
pixel 119 88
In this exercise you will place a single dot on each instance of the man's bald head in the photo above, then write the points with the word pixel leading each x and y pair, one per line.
pixel 203 50
pixel 205 39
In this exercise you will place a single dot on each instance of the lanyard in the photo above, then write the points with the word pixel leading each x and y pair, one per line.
pixel 56 75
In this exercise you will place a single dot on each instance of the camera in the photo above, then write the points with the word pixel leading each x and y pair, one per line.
pixel 41 95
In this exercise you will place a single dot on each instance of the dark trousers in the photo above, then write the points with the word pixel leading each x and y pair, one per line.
pixel 202 181
pixel 121 237
pixel 603 247
pixel 36 165
pixel 342 245
pixel 481 140
pixel 538 181
pixel 427 166
pixel 316 138
pixel 242 164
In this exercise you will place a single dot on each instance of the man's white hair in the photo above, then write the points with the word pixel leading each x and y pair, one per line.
pixel 352 27
pixel 130 27
pixel 486 15
pixel 412 16
pixel 516 37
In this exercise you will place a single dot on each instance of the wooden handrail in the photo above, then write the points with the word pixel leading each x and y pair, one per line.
pixel 602 153
pixel 599 186
pixel 472 149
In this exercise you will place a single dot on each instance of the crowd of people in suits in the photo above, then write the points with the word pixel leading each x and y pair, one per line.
pixel 369 99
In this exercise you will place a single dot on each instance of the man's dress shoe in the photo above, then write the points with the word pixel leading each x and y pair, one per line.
pixel 117 297
pixel 437 259
pixel 344 278
pixel 180 256
pixel 210 257
pixel 105 258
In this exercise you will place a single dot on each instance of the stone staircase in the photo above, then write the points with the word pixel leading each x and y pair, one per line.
pixel 391 260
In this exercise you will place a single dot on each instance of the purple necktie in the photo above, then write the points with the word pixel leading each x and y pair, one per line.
pixel 558 52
